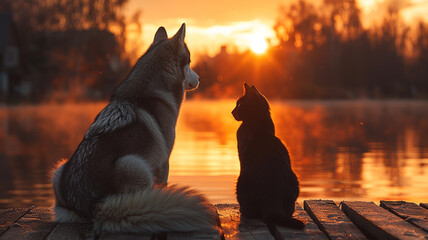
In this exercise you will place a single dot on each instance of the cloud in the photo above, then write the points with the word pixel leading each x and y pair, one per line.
pixel 209 39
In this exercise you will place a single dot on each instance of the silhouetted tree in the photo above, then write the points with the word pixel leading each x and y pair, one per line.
pixel 326 53
pixel 419 68
pixel 75 47
pixel 388 57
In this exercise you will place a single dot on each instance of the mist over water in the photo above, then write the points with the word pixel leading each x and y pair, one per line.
pixel 360 150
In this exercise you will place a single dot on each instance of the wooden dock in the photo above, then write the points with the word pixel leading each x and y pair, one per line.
pixel 324 220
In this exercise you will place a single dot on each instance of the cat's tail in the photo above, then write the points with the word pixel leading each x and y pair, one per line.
pixel 154 210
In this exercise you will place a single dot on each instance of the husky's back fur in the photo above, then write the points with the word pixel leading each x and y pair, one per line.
pixel 117 177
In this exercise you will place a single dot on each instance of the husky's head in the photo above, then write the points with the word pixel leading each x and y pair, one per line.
pixel 177 55
pixel 164 68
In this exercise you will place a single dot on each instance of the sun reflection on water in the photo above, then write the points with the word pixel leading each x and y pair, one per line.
pixel 334 155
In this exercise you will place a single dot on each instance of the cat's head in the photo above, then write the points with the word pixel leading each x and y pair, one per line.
pixel 251 106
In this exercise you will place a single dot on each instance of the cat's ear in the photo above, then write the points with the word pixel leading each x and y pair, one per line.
pixel 247 88
pixel 254 90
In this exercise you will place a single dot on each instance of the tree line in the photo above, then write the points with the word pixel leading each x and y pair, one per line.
pixel 327 53
pixel 75 49
pixel 70 49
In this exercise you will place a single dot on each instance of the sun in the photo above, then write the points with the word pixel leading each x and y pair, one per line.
pixel 258 45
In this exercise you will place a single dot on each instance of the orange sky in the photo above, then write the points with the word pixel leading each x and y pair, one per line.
pixel 211 24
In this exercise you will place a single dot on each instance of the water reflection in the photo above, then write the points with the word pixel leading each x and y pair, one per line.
pixel 367 150
pixel 32 138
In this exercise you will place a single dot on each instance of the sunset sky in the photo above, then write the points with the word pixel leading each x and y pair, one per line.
pixel 243 24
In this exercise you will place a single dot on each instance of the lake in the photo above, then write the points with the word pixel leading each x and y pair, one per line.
pixel 340 150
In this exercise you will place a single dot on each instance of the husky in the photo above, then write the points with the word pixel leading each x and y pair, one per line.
pixel 117 177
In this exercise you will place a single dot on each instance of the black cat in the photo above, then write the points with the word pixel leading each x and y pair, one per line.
pixel 267 187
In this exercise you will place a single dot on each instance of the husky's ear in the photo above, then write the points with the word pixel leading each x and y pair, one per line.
pixel 247 88
pixel 179 36
pixel 160 35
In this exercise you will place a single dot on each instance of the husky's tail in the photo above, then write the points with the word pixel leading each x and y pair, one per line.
pixel 154 210
pixel 282 221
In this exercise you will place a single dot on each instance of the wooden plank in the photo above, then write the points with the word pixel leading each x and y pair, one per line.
pixel 65 231
pixel 311 230
pixel 377 222
pixel 256 228
pixel 235 227
pixel 215 235
pixel 230 222
pixel 331 220
pixel 36 224
pixel 84 231
pixel 9 216
pixel 424 205
pixel 126 236
pixel 210 235
pixel 408 211
pixel 180 236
